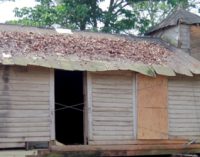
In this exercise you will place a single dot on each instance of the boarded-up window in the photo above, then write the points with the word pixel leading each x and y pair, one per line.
pixel 152 107
pixel 24 105
pixel 184 107
pixel 111 107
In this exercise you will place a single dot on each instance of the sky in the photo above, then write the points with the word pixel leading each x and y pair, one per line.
pixel 6 8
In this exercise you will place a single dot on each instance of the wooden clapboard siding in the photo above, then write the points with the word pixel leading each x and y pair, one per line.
pixel 24 105
pixel 152 107
pixel 111 107
pixel 184 107
pixel 195 41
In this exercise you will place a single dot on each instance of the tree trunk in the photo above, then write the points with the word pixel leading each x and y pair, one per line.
pixel 94 13
pixel 83 25
pixel 107 17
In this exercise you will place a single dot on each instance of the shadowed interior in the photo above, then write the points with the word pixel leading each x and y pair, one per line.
pixel 69 92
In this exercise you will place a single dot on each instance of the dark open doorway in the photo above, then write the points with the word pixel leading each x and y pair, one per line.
pixel 69 107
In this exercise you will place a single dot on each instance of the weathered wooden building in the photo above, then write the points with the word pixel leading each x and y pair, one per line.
pixel 115 95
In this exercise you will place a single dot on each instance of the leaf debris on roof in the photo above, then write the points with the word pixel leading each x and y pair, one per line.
pixel 88 51
pixel 28 44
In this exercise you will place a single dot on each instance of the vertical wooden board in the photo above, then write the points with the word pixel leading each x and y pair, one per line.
pixel 52 105
pixel 152 107
pixel 89 105
pixel 184 37
pixel 195 41
pixel 85 113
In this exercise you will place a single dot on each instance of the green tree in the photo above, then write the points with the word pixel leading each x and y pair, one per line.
pixel 121 15
pixel 149 13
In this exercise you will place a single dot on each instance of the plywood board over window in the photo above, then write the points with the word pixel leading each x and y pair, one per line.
pixel 152 107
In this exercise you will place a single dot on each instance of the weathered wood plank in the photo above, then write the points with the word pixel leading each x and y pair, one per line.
pixel 24 87
pixel 24 129
pixel 182 125
pixel 111 87
pixel 15 102
pixel 112 96
pixel 24 98
pixel 111 105
pixel 138 142
pixel 13 145
pixel 113 114
pixel 24 124
pixel 111 128
pixel 112 132
pixel 114 123
pixel 112 91
pixel 52 104
pixel 112 82
pixel 109 137
pixel 24 113
pixel 99 118
pixel 25 120
pixel 26 81
pixel 24 93
pixel 184 116
pixel 23 134
pixel 113 100
pixel 24 139
pixel 6 106
pixel 110 109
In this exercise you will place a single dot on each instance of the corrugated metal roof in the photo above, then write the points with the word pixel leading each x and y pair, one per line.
pixel 86 51
pixel 178 16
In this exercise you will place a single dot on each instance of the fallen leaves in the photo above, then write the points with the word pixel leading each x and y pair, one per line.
pixel 19 43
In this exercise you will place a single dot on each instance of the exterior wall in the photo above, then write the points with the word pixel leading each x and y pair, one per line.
pixel 184 107
pixel 111 100
pixel 152 107
pixel 24 105
pixel 195 42
pixel 178 36
pixel 170 35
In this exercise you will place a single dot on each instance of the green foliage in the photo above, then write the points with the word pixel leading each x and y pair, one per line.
pixel 149 13
pixel 120 17
pixel 41 15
